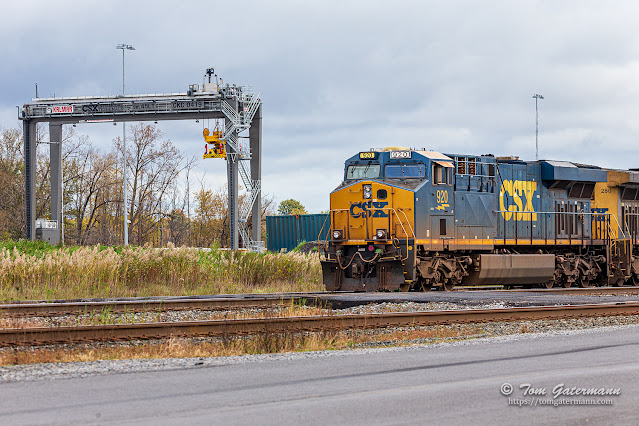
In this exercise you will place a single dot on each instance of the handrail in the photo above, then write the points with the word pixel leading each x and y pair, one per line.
pixel 320 234
pixel 582 214
pixel 389 209
pixel 619 226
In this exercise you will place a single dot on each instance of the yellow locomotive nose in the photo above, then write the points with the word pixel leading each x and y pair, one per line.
pixel 368 208
pixel 370 236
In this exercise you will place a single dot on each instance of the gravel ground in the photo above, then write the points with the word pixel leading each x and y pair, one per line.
pixel 84 369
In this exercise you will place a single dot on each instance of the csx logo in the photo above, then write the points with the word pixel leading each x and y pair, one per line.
pixel 369 209
pixel 90 108
pixel 515 190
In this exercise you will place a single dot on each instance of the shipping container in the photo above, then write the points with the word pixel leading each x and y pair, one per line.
pixel 290 230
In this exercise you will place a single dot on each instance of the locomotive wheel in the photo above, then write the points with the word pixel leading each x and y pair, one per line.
pixel 425 287
pixel 448 286
pixel 422 284
pixel 404 287
pixel 567 284
pixel 585 282
pixel 619 282
pixel 549 284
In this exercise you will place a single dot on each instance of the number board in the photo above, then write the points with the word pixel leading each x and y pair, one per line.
pixel 370 155
pixel 400 154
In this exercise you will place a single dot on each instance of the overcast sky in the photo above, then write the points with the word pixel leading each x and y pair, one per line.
pixel 339 77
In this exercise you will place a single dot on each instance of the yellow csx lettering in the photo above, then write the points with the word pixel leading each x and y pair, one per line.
pixel 515 190
pixel 369 209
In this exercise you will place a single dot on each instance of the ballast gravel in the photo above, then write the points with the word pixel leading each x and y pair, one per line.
pixel 199 314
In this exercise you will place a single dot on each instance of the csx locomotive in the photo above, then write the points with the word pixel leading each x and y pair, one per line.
pixel 405 219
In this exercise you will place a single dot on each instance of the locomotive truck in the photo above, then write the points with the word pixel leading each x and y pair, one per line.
pixel 404 219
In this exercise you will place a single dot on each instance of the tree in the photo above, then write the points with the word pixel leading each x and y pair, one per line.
pixel 291 206
pixel 178 227
pixel 210 224
pixel 12 205
pixel 88 188
pixel 268 209
pixel 211 214
pixel 153 166
pixel 12 182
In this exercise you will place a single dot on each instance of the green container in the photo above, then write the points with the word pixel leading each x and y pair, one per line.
pixel 290 230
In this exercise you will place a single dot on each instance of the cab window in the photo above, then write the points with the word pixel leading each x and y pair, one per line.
pixel 405 171
pixel 441 176
pixel 363 171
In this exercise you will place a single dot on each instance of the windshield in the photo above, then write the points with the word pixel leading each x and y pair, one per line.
pixel 405 171
pixel 363 171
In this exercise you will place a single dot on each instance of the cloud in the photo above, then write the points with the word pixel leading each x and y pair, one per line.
pixel 340 77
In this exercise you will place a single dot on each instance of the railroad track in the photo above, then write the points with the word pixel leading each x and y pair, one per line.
pixel 244 301
pixel 577 290
pixel 558 290
pixel 229 328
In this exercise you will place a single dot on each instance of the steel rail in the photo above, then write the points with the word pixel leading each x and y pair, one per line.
pixel 229 328
pixel 577 290
pixel 556 290
pixel 228 302
pixel 146 305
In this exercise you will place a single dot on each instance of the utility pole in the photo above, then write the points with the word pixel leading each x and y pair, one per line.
pixel 124 47
pixel 537 97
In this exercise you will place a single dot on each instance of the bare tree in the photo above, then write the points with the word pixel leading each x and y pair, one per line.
pixel 12 202
pixel 89 186
pixel 153 165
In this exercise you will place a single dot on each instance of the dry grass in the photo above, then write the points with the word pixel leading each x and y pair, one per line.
pixel 271 343
pixel 68 273
pixel 173 348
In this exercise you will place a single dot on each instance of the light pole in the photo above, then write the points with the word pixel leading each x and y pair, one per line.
pixel 537 97
pixel 124 47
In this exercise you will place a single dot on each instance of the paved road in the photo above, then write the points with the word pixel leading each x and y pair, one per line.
pixel 450 384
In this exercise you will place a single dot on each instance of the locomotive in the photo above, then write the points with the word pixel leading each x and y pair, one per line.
pixel 405 219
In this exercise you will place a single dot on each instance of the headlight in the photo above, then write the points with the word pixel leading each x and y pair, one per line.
pixel 337 234
pixel 368 191
pixel 381 234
